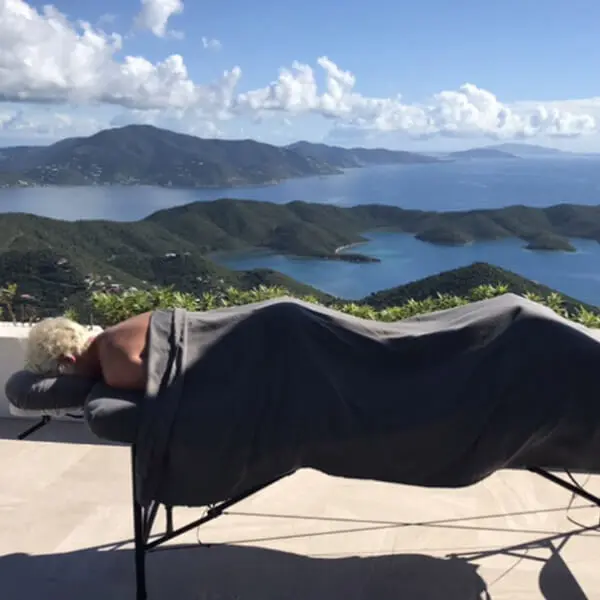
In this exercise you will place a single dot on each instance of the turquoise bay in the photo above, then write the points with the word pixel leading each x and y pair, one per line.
pixel 405 259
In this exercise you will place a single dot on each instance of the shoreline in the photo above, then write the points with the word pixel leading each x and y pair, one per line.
pixel 140 184
pixel 340 249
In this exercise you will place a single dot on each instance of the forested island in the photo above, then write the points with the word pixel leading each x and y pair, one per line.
pixel 54 261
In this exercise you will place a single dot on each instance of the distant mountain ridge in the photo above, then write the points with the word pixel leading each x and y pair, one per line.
pixel 482 153
pixel 147 155
pixel 525 150
pixel 510 150
pixel 347 158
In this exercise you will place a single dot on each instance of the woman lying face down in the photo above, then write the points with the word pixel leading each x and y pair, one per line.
pixel 60 346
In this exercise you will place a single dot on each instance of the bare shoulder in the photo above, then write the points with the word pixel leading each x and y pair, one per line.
pixel 125 340
pixel 132 331
pixel 133 323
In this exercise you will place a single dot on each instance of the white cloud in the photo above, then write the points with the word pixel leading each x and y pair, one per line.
pixel 46 58
pixel 155 14
pixel 43 57
pixel 211 44
pixel 46 124
pixel 466 112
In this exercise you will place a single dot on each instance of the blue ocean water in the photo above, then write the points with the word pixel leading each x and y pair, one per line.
pixel 405 259
pixel 444 186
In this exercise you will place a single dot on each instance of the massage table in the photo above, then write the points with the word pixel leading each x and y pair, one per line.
pixel 240 397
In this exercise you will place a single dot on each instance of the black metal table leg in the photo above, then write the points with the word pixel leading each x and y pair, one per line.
pixel 169 519
pixel 574 489
pixel 41 423
pixel 139 538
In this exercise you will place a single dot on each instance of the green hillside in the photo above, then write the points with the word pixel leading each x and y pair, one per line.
pixel 48 286
pixel 48 283
pixel 298 228
pixel 460 282
pixel 178 246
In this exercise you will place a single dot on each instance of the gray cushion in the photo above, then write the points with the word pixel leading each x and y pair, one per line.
pixel 33 392
pixel 113 414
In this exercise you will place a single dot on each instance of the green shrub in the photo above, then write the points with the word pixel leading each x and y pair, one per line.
pixel 110 308
pixel 7 299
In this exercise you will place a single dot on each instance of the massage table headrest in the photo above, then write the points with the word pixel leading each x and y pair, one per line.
pixel 31 394
pixel 111 414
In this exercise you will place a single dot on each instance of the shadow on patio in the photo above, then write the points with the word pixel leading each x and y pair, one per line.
pixel 227 572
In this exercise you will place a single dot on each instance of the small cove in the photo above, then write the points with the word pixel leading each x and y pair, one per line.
pixel 405 258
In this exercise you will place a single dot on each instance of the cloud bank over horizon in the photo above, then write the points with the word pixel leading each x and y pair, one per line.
pixel 59 77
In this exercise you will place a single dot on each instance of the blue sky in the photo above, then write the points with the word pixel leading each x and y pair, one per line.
pixel 430 75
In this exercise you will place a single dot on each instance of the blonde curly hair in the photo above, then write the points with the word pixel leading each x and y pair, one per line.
pixel 51 340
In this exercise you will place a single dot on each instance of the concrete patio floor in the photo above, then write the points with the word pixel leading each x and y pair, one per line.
pixel 65 523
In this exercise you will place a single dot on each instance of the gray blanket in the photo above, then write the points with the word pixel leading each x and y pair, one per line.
pixel 240 396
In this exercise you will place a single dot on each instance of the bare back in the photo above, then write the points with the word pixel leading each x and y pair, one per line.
pixel 121 350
